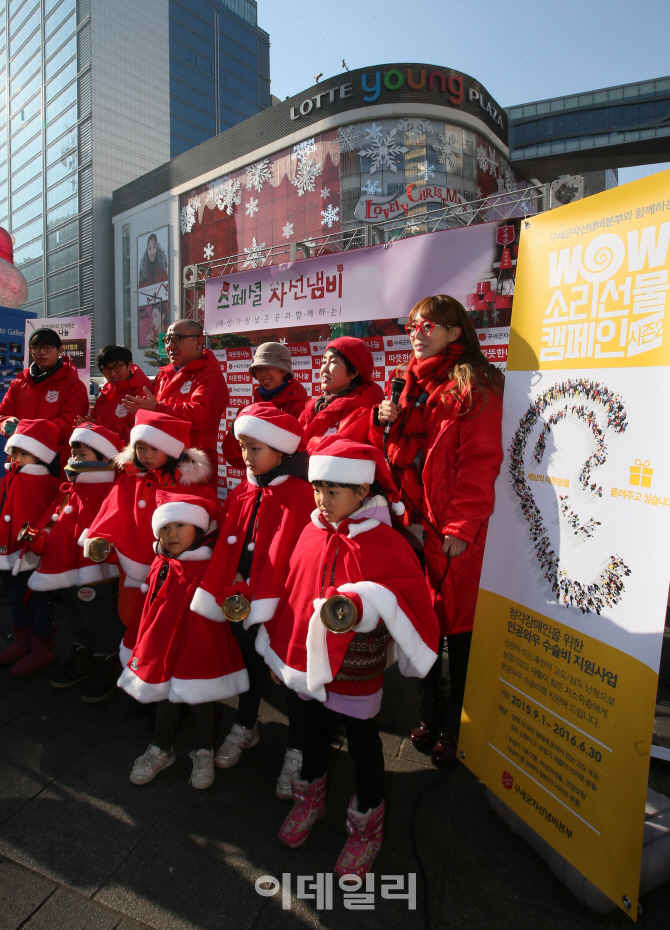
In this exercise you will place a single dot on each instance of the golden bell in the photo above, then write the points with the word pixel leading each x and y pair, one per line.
pixel 236 608
pixel 339 614
pixel 27 533
pixel 98 549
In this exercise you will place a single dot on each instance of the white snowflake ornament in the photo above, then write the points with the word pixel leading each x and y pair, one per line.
pixel 447 149
pixel 426 170
pixel 330 215
pixel 415 127
pixel 347 136
pixel 325 193
pixel 374 132
pixel 186 219
pixel 371 187
pixel 303 149
pixel 251 206
pixel 383 151
pixel 254 254
pixel 288 231
pixel 208 251
pixel 258 173
pixel 228 195
pixel 305 176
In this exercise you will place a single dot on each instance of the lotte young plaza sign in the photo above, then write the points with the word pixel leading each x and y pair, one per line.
pixel 561 690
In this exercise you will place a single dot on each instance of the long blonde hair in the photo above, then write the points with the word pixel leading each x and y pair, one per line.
pixel 473 369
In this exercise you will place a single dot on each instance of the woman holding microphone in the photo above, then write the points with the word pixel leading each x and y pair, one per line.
pixel 445 450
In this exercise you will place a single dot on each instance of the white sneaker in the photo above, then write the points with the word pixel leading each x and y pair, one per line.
pixel 146 767
pixel 202 775
pixel 292 762
pixel 239 739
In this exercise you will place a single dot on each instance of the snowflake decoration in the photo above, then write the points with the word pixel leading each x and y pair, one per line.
pixel 426 171
pixel 303 149
pixel 447 149
pixel 501 184
pixel 201 303
pixel 478 192
pixel 346 138
pixel 510 179
pixel 208 251
pixel 258 173
pixel 305 176
pixel 415 127
pixel 487 160
pixel 375 132
pixel 371 187
pixel 382 151
pixel 228 195
pixel 330 215
pixel 288 230
pixel 325 193
pixel 282 341
pixel 186 219
pixel 211 196
pixel 254 254
pixel 251 206
pixel 195 203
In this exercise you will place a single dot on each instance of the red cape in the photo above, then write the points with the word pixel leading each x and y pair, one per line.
pixel 26 492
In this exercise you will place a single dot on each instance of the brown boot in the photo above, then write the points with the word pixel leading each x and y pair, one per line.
pixel 444 750
pixel 424 736
pixel 40 656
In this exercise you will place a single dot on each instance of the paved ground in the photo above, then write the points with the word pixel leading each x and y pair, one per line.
pixel 83 849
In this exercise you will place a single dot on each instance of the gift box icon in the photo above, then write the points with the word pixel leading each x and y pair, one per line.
pixel 641 474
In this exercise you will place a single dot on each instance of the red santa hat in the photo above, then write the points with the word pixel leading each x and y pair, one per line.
pixel 161 431
pixel 100 438
pixel 38 437
pixel 346 462
pixel 182 508
pixel 356 352
pixel 267 424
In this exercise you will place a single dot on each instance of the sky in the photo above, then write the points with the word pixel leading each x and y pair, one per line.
pixel 519 50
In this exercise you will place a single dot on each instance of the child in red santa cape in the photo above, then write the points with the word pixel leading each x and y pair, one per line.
pixel 88 590
pixel 349 548
pixel 262 520
pixel 180 657
pixel 29 485
pixel 156 457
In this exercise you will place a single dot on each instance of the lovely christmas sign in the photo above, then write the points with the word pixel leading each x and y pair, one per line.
pixel 371 209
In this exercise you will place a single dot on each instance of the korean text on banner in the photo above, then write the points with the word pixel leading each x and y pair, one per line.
pixel 75 335
pixel 559 703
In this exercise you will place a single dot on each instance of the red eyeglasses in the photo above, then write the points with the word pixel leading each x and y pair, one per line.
pixel 425 326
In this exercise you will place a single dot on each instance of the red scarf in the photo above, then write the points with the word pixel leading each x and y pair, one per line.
pixel 165 480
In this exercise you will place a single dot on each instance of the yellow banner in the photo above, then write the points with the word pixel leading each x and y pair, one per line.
pixel 592 282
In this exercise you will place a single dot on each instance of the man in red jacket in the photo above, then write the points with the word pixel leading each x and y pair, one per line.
pixel 191 388
pixel 50 389
pixel 122 377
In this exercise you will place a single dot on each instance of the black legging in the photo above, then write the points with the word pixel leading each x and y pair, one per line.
pixel 365 749
pixel 259 676
pixel 168 715
pixel 458 648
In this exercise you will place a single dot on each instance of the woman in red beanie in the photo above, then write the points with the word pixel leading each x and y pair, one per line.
pixel 349 393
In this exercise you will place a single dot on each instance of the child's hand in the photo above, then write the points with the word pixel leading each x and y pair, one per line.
pixel 238 578
pixel 276 680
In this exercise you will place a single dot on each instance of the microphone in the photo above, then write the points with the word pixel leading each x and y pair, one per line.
pixel 397 385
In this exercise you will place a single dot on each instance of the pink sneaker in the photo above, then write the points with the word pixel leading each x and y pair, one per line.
pixel 309 808
pixel 365 840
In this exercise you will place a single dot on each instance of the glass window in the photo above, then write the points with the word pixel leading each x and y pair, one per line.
pixel 20 217
pixel 66 256
pixel 31 149
pixel 26 113
pixel 4 214
pixel 62 191
pixel 36 290
pixel 60 36
pixel 232 48
pixel 189 76
pixel 61 80
pixel 68 50
pixel 26 193
pixel 631 114
pixel 3 190
pixel 572 122
pixel 3 153
pixel 31 231
pixel 248 74
pixel 63 280
pixel 615 117
pixel 29 252
pixel 29 171
pixel 17 40
pixel 251 93
pixel 600 119
pixel 63 303
pixel 647 112
pixel 205 120
pixel 26 93
pixel 59 150
pixel 57 128
pixel 662 107
pixel 242 36
pixel 20 78
pixel 191 95
pixel 194 40
pixel 63 212
pixel 529 131
pixel 125 259
pixel 26 10
pixel 62 168
pixel 61 103
pixel 188 18
pixel 49 5
pixel 53 21
pixel 61 236
pixel 192 133
pixel 586 121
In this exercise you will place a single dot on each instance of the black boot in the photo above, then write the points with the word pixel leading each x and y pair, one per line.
pixel 444 749
pixel 424 736
pixel 106 671
pixel 77 668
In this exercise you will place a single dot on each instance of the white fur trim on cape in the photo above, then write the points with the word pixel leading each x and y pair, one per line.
pixel 251 478
pixel 82 539
pixel 96 477
pixel 30 445
pixel 196 555
pixel 8 561
pixel 95 440
pixel 261 611
pixel 28 563
pixel 355 529
pixel 87 574
pixel 370 618
pixel 135 570
pixel 198 468
pixel 183 690
pixel 131 582
pixel 319 672
pixel 179 512
pixel 125 654
pixel 205 604
pixel 415 658
pixel 272 435
pixel 341 470
pixel 125 457
pixel 292 678
pixel 143 432
pixel 34 470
